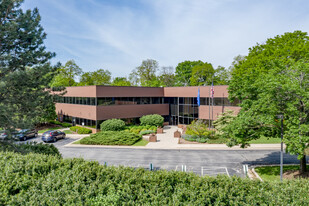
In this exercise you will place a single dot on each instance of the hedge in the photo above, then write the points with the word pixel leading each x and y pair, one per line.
pixel 46 180
pixel 111 138
pixel 152 120
pixel 80 130
pixel 112 125
pixel 30 147
pixel 63 124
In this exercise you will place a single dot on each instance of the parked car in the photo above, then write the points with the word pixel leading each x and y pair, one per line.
pixel 3 135
pixel 52 136
pixel 25 134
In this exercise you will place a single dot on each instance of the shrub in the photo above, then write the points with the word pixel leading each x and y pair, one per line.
pixel 32 147
pixel 152 120
pixel 111 138
pixel 36 179
pixel 195 138
pixel 147 132
pixel 199 128
pixel 113 125
pixel 64 124
pixel 80 130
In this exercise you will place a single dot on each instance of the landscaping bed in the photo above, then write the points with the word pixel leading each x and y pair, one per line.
pixel 111 138
pixel 272 173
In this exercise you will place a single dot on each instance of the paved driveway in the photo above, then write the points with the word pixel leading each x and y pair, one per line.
pixel 202 162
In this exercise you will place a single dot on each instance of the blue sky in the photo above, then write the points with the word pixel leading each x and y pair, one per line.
pixel 118 34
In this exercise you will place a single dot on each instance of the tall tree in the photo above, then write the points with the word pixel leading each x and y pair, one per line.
pixel 67 74
pixel 167 77
pixel 145 74
pixel 25 71
pixel 222 76
pixel 99 77
pixel 273 79
pixel 121 81
pixel 184 72
pixel 202 74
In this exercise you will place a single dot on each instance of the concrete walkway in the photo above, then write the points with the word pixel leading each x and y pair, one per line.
pixel 168 142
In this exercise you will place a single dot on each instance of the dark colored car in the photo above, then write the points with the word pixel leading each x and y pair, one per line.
pixel 25 134
pixel 52 136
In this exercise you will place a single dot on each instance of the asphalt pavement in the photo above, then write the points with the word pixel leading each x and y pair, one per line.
pixel 202 162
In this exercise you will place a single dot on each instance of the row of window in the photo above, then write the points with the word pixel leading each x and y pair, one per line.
pixel 105 101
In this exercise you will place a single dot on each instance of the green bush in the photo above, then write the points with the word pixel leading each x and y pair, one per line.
pixel 195 138
pixel 113 125
pixel 32 147
pixel 64 124
pixel 111 138
pixel 152 120
pixel 36 179
pixel 147 132
pixel 80 130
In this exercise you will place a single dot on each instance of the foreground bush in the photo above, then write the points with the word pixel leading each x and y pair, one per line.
pixel 111 138
pixel 112 125
pixel 46 180
pixel 80 130
pixel 152 120
pixel 32 147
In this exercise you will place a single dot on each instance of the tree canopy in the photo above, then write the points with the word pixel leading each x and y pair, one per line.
pixel 98 77
pixel 273 79
pixel 25 71
pixel 67 74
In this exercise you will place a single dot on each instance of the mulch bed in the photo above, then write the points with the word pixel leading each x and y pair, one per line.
pixel 295 174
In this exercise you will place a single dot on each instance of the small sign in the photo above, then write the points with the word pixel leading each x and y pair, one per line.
pixel 83 123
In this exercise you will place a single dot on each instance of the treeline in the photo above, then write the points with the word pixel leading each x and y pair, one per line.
pixel 148 74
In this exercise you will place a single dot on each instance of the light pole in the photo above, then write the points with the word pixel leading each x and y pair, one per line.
pixel 280 116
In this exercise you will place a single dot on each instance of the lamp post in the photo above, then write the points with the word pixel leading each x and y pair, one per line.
pixel 280 116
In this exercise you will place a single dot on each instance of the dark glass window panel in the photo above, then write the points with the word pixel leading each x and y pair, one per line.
pixel 181 100
pixel 155 100
pixel 186 121
pixel 194 99
pixel 181 110
pixel 188 100
pixel 181 121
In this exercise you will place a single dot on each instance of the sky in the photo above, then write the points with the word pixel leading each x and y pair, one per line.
pixel 119 34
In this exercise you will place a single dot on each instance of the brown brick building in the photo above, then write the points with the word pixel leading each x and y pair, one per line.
pixel 90 105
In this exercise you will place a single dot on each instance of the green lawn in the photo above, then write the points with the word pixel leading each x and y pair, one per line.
pixel 264 140
pixel 142 142
pixel 44 130
pixel 68 131
pixel 272 173
pixel 77 142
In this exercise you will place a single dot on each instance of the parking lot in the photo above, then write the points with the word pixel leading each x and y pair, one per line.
pixel 201 162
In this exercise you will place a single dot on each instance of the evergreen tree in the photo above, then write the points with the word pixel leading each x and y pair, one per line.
pixel 25 71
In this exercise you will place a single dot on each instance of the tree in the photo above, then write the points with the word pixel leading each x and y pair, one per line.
pixel 121 81
pixel 67 74
pixel 25 71
pixel 99 77
pixel 145 74
pixel 222 76
pixel 222 122
pixel 167 77
pixel 184 72
pixel 273 79
pixel 202 74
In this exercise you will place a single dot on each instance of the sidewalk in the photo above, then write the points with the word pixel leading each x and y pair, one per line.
pixel 168 142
